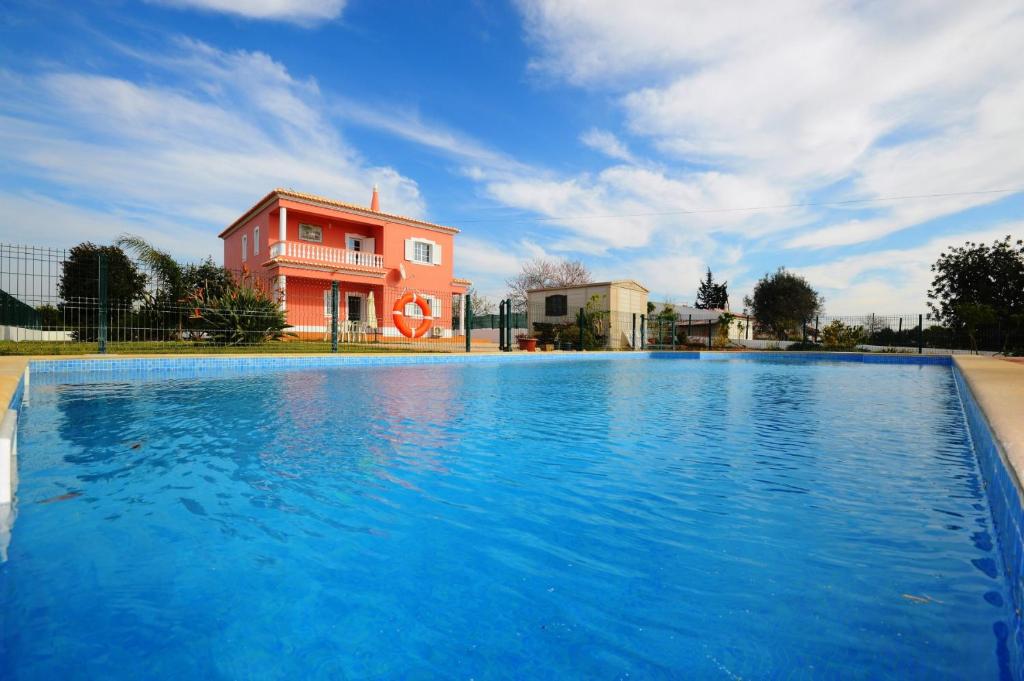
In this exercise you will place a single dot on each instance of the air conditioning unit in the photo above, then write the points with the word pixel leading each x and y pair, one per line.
pixel 437 332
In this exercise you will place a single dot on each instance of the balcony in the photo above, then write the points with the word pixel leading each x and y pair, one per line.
pixel 315 254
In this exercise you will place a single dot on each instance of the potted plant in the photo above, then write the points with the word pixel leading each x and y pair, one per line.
pixel 526 342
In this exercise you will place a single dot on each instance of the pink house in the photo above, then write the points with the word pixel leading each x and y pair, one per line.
pixel 394 272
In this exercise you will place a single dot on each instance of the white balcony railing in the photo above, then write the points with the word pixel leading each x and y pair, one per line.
pixel 326 255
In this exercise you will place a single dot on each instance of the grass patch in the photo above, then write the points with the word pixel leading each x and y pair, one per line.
pixel 188 348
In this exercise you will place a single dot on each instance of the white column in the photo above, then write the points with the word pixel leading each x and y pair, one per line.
pixel 279 290
pixel 282 229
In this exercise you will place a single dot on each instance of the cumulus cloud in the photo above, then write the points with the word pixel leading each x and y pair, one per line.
pixel 887 100
pixel 201 144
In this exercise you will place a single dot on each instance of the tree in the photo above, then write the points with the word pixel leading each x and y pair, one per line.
pixel 712 295
pixel 977 286
pixel 166 272
pixel 164 312
pixel 782 302
pixel 481 304
pixel 212 278
pixel 545 273
pixel 80 276
pixel 78 288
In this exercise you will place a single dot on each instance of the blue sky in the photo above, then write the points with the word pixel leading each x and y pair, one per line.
pixel 648 140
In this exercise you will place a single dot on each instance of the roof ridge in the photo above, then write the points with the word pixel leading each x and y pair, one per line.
pixel 355 206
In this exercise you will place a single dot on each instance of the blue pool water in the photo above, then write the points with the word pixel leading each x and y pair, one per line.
pixel 549 520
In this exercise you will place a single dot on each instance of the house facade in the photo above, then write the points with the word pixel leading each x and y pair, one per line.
pixel 297 244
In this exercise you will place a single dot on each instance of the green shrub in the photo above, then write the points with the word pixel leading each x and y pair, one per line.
pixel 243 314
pixel 840 336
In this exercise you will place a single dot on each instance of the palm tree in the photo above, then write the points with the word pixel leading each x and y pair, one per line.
pixel 162 309
pixel 168 273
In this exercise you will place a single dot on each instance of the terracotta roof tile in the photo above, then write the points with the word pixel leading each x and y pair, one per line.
pixel 283 193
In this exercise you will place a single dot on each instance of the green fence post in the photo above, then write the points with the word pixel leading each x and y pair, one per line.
pixel 468 321
pixel 634 330
pixel 508 325
pixel 581 320
pixel 501 326
pixel 334 316
pixel 710 346
pixel 643 331
pixel 103 302
pixel 672 330
pixel 920 334
pixel 689 327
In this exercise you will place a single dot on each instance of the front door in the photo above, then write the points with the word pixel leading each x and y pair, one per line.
pixel 354 304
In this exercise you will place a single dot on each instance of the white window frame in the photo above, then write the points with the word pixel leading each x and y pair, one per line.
pixel 417 244
pixel 413 310
pixel 311 229
pixel 245 247
pixel 256 240
pixel 412 246
pixel 327 302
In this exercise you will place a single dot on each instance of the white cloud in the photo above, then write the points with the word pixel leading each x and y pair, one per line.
pixel 218 132
pixel 888 100
pixel 892 281
pixel 607 143
pixel 44 221
pixel 303 12
pixel 625 206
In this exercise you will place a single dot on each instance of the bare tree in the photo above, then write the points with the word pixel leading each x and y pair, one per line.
pixel 546 273
pixel 481 304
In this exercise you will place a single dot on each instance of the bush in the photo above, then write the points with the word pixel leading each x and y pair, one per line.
pixel 244 314
pixel 840 336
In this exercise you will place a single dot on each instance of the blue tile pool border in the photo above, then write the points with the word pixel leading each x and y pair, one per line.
pixel 218 364
pixel 1005 496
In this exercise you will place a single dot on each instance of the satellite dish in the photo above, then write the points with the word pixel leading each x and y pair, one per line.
pixel 401 270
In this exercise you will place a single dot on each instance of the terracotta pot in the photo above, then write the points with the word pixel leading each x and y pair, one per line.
pixel 528 344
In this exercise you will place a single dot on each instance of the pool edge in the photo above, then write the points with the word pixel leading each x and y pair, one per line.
pixel 991 392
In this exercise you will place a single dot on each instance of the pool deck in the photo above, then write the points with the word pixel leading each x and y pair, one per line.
pixel 997 385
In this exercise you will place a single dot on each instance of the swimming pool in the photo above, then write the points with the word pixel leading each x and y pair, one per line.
pixel 597 519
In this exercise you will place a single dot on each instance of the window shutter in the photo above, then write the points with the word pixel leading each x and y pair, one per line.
pixel 245 247
pixel 327 303
pixel 436 250
pixel 256 241
pixel 370 245
pixel 435 307
pixel 409 249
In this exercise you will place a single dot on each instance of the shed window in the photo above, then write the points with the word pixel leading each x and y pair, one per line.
pixel 556 306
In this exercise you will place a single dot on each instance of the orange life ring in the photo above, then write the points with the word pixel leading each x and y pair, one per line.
pixel 398 315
